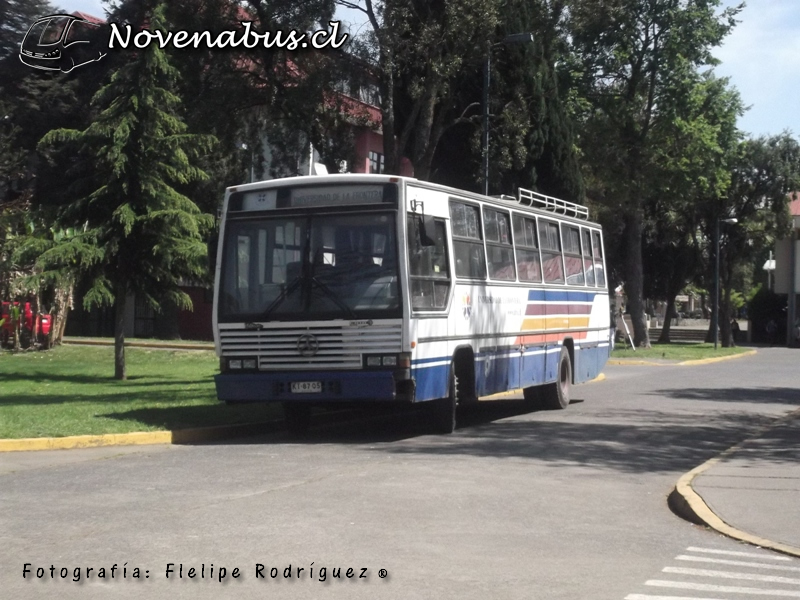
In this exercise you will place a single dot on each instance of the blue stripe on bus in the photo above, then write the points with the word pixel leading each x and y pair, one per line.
pixel 560 296
pixel 502 371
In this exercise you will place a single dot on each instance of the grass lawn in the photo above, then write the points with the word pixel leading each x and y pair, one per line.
pixel 70 390
pixel 677 351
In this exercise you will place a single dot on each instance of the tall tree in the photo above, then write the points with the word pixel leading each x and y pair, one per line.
pixel 534 144
pixel 419 49
pixel 694 150
pixel 763 173
pixel 139 232
pixel 632 51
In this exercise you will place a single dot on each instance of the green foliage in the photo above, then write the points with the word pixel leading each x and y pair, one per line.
pixel 420 50
pixel 66 392
pixel 135 231
pixel 16 16
pixel 534 144
pixel 639 63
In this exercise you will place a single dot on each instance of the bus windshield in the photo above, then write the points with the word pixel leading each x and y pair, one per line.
pixel 310 267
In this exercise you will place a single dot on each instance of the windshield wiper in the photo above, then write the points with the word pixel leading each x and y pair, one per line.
pixel 307 276
pixel 326 290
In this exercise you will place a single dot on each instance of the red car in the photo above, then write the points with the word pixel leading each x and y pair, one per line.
pixel 18 319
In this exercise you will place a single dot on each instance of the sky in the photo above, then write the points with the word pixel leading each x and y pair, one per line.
pixel 761 57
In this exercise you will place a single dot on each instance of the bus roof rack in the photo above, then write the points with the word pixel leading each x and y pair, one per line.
pixel 562 207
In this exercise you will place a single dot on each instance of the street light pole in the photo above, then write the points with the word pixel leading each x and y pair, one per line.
pixel 715 311
pixel 517 38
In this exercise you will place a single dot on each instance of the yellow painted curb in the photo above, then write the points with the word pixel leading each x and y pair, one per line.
pixel 706 361
pixel 180 436
pixel 683 363
pixel 691 506
pixel 628 361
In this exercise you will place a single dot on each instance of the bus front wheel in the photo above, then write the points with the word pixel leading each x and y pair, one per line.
pixel 298 418
pixel 555 396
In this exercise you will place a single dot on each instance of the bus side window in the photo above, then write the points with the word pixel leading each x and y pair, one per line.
pixel 552 262
pixel 597 248
pixel 467 241
pixel 573 261
pixel 528 261
pixel 428 267
pixel 588 264
pixel 498 245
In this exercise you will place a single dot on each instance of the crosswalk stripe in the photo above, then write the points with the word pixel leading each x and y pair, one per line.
pixel 735 553
pixel 731 575
pixel 726 589
pixel 649 597
pixel 735 563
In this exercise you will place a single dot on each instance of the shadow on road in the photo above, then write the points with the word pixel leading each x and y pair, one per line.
pixel 631 440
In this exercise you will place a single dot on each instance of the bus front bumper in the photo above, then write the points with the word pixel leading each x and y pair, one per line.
pixel 331 386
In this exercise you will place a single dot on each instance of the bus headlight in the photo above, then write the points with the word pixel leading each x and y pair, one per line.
pixel 241 364
pixel 401 360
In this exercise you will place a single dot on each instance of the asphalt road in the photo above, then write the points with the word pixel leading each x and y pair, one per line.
pixel 530 505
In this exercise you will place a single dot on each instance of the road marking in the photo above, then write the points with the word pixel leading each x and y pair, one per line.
pixel 649 597
pixel 736 563
pixel 731 575
pixel 734 553
pixel 763 584
pixel 727 589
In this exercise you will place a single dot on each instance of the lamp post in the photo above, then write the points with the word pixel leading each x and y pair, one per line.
pixel 715 311
pixel 517 38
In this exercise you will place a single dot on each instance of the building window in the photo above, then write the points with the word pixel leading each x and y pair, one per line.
pixel 376 162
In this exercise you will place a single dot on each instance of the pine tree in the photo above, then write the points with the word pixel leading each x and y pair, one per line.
pixel 138 232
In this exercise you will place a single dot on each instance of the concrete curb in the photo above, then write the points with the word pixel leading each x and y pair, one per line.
pixel 196 435
pixel 688 504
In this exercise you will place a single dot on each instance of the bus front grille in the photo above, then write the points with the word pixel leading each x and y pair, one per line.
pixel 285 347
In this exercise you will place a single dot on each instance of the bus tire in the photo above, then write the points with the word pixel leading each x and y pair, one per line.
pixel 297 417
pixel 555 396
pixel 443 410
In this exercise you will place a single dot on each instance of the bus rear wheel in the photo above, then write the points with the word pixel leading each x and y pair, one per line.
pixel 555 396
pixel 297 417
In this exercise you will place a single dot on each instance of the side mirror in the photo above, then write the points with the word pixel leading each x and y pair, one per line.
pixel 427 230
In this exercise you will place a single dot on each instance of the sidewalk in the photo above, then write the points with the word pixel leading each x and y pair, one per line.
pixel 752 491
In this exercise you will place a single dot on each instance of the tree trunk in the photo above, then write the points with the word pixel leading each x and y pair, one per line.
pixel 120 300
pixel 664 337
pixel 390 154
pixel 634 281
pixel 60 309
pixel 726 335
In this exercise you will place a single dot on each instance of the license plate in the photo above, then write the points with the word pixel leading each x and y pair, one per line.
pixel 306 387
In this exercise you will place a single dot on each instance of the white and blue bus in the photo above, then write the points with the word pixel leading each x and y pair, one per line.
pixel 377 288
